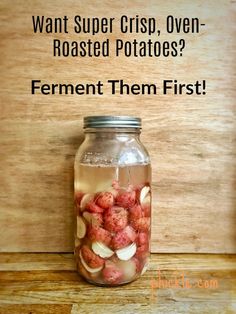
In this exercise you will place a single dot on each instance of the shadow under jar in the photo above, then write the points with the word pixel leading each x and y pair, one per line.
pixel 112 201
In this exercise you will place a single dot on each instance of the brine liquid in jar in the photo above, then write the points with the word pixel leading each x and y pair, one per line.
pixel 113 210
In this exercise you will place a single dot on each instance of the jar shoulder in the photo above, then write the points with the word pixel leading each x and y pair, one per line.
pixel 112 151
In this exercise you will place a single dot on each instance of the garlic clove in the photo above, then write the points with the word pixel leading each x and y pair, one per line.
pixel 81 227
pixel 127 252
pixel 143 193
pixel 101 249
pixel 147 200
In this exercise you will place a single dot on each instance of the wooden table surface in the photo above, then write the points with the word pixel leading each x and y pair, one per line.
pixel 38 283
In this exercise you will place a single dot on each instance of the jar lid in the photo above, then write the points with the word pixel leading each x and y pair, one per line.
pixel 112 122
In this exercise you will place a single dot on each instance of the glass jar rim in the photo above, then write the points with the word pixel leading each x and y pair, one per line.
pixel 112 122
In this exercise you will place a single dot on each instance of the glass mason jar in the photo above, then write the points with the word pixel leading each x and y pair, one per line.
pixel 112 201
